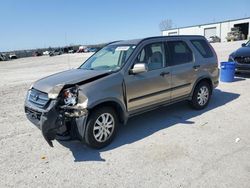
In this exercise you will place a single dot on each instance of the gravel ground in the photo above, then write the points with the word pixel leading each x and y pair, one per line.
pixel 173 146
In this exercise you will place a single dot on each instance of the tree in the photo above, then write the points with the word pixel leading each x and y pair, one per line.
pixel 165 24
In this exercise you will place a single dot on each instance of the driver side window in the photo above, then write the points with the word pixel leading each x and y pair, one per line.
pixel 152 55
pixel 141 56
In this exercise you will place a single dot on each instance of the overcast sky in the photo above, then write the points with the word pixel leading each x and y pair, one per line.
pixel 29 24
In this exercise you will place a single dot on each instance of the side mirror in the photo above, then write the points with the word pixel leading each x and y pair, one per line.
pixel 139 68
pixel 243 45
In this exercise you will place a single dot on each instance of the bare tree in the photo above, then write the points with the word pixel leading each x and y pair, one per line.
pixel 166 24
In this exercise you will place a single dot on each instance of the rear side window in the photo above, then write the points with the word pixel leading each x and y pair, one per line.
pixel 180 53
pixel 203 48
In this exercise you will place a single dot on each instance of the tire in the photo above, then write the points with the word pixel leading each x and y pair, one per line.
pixel 100 133
pixel 201 96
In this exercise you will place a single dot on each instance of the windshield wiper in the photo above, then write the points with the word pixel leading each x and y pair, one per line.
pixel 87 68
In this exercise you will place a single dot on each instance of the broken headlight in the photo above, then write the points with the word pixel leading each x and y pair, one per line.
pixel 53 93
pixel 70 96
pixel 73 102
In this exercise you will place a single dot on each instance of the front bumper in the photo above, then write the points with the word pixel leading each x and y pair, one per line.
pixel 53 119
pixel 242 68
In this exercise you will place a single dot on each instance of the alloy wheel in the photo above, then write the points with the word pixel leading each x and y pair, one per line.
pixel 103 127
pixel 203 96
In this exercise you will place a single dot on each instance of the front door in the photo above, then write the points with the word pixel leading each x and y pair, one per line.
pixel 151 87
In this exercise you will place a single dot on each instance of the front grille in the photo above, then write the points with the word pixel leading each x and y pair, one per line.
pixel 243 60
pixel 38 98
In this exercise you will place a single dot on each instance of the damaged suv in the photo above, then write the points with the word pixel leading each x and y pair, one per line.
pixel 121 80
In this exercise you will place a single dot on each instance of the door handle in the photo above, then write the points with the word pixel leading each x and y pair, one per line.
pixel 196 67
pixel 164 73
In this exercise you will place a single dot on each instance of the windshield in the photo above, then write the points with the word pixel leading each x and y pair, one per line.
pixel 248 43
pixel 111 57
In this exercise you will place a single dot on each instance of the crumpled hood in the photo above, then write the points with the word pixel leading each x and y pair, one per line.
pixel 73 76
pixel 243 51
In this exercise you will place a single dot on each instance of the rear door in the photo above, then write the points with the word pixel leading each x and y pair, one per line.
pixel 151 87
pixel 182 67
pixel 206 58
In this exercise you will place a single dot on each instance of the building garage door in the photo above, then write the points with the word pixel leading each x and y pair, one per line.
pixel 209 32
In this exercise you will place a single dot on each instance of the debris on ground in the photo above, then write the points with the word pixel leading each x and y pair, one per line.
pixel 204 123
pixel 237 140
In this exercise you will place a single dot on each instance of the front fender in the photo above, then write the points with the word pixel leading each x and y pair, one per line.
pixel 119 105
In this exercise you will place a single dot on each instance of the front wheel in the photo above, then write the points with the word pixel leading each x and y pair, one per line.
pixel 201 96
pixel 101 127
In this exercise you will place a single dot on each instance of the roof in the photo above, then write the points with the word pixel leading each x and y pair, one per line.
pixel 207 24
pixel 137 41
pixel 127 42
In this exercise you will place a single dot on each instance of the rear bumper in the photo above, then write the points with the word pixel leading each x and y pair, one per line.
pixel 215 83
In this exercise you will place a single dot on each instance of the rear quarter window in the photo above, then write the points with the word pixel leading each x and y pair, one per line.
pixel 202 47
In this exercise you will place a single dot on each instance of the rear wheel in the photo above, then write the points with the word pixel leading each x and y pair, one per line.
pixel 201 96
pixel 101 127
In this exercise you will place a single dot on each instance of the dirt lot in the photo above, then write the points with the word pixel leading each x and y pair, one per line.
pixel 171 147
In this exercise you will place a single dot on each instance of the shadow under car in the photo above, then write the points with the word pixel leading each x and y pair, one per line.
pixel 144 125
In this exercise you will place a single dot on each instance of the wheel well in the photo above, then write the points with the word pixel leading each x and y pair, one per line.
pixel 208 80
pixel 118 109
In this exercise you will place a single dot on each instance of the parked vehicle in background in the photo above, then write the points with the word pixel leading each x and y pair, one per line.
pixel 235 34
pixel 119 81
pixel 3 57
pixel 12 56
pixel 213 39
pixel 36 54
pixel 87 50
pixel 71 51
pixel 242 58
pixel 81 49
pixel 56 52
pixel 46 52
pixel 91 50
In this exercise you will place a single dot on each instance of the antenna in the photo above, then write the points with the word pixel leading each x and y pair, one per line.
pixel 66 45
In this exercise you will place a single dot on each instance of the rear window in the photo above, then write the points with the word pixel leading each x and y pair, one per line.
pixel 180 52
pixel 203 48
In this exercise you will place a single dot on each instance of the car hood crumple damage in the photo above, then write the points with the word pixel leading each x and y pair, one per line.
pixel 242 52
pixel 73 76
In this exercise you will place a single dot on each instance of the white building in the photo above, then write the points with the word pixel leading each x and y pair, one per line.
pixel 219 29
